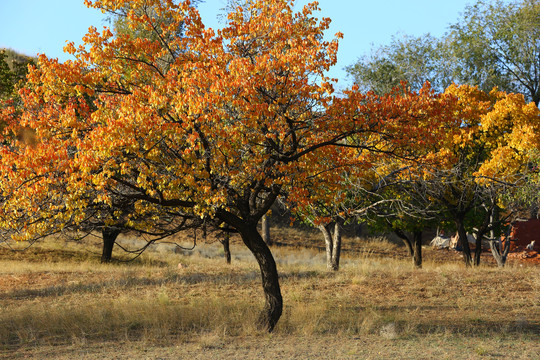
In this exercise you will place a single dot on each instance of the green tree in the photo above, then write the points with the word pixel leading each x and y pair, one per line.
pixel 6 77
pixel 494 43
pixel 403 209
pixel 498 44
pixel 414 60
pixel 13 70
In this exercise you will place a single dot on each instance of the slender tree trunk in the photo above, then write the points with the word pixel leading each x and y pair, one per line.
pixel 494 219
pixel 336 244
pixel 327 234
pixel 109 235
pixel 417 255
pixel 226 247
pixel 467 258
pixel 491 224
pixel 265 226
pixel 270 280
pixel 477 251
pixel 409 245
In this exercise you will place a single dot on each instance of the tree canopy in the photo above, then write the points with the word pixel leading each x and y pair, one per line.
pixel 494 43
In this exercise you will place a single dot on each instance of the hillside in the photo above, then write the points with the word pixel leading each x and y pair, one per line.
pixel 15 59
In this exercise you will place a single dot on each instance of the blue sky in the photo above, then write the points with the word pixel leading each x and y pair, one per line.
pixel 39 26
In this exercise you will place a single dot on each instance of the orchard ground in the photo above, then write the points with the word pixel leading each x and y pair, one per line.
pixel 59 302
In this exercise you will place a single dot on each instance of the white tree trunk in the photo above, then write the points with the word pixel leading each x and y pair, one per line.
pixel 333 243
pixel 265 230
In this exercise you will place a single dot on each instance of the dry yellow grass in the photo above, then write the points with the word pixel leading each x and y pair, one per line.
pixel 70 305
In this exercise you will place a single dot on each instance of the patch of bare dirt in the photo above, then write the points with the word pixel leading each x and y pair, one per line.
pixel 529 257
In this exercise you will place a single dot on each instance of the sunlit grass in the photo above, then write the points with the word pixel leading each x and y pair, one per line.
pixel 75 299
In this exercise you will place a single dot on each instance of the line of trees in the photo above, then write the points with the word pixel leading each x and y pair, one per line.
pixel 164 125
pixel 493 45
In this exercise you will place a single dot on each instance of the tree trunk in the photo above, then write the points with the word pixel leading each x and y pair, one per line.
pixel 495 220
pixel 414 247
pixel 329 244
pixel 336 244
pixel 467 258
pixel 226 247
pixel 270 279
pixel 109 235
pixel 265 229
pixel 406 241
pixel 409 245
pixel 498 253
pixel 332 241
pixel 478 250
pixel 491 224
pixel 417 255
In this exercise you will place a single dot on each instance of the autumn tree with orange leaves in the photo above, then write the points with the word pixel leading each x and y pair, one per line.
pixel 487 159
pixel 475 168
pixel 211 125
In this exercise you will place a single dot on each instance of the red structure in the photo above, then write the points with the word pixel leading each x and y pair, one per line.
pixel 524 233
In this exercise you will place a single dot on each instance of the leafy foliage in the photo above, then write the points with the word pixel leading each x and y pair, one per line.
pixel 414 60
pixel 495 43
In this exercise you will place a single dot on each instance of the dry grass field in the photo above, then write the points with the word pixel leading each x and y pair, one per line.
pixel 58 302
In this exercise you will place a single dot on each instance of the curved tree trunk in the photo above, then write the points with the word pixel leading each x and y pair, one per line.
pixel 327 234
pixel 414 246
pixel 406 241
pixel 270 280
pixel 109 235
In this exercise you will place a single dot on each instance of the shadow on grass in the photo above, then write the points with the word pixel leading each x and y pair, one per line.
pixel 35 254
pixel 130 282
